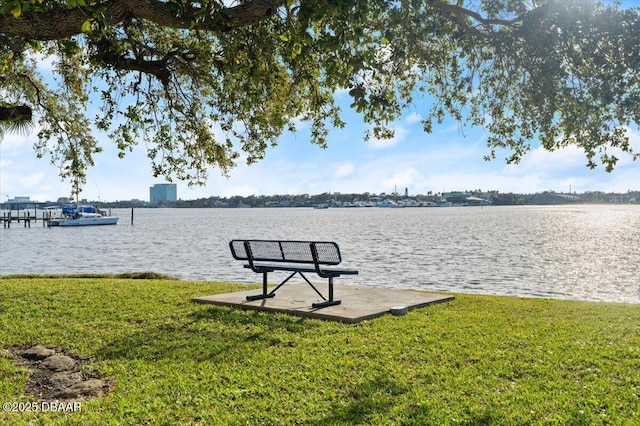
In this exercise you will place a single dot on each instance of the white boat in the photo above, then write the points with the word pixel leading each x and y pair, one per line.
pixel 86 219
pixel 83 216
pixel 387 203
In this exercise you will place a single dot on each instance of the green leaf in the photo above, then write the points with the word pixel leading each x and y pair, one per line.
pixel 86 26
pixel 16 10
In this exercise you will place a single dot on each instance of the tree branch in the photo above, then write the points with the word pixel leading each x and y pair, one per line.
pixel 461 11
pixel 60 23
pixel 19 113
pixel 107 54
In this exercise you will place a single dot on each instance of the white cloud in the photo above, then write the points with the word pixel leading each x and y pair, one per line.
pixel 542 161
pixel 634 142
pixel 413 118
pixel 21 173
pixel 45 63
pixel 344 170
pixel 570 158
pixel 17 140
pixel 402 178
pixel 17 180
pixel 400 134
pixel 299 124
pixel 341 92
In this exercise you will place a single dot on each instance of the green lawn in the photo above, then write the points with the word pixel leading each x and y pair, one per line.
pixel 475 360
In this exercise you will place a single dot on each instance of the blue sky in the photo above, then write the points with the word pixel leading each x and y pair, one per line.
pixel 449 159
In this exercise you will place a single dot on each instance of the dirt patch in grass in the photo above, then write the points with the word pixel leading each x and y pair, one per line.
pixel 57 376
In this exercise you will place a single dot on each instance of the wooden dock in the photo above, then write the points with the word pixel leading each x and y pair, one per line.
pixel 25 218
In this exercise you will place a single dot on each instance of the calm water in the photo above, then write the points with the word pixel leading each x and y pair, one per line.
pixel 574 252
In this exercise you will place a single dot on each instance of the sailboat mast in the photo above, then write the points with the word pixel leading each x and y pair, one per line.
pixel 76 190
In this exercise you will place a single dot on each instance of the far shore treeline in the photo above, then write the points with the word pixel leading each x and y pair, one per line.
pixel 337 199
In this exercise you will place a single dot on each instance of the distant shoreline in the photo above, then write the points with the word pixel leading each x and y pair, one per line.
pixel 337 199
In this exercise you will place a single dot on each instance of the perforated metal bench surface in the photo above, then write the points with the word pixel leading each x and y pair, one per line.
pixel 297 257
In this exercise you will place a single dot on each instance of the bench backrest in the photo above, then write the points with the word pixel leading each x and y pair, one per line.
pixel 286 251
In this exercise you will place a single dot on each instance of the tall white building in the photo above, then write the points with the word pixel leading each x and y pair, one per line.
pixel 162 193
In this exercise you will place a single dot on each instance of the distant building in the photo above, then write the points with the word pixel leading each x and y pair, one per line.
pixel 20 203
pixel 465 199
pixel 553 198
pixel 162 193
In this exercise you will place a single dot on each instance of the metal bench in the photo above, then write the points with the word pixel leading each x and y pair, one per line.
pixel 297 257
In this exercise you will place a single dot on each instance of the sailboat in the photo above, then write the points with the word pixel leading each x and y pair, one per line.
pixel 82 215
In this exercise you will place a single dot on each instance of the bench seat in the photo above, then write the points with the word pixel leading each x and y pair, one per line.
pixel 292 268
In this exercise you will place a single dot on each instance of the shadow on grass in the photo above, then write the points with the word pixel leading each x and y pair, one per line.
pixel 214 333
pixel 383 396
pixel 369 400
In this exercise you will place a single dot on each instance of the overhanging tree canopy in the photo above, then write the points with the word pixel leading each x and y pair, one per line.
pixel 169 72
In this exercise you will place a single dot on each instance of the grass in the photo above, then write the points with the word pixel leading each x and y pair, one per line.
pixel 475 360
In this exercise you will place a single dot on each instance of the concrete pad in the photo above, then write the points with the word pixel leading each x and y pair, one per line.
pixel 358 303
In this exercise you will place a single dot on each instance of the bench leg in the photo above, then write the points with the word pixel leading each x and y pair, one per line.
pixel 326 303
pixel 265 294
pixel 329 302
pixel 260 296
